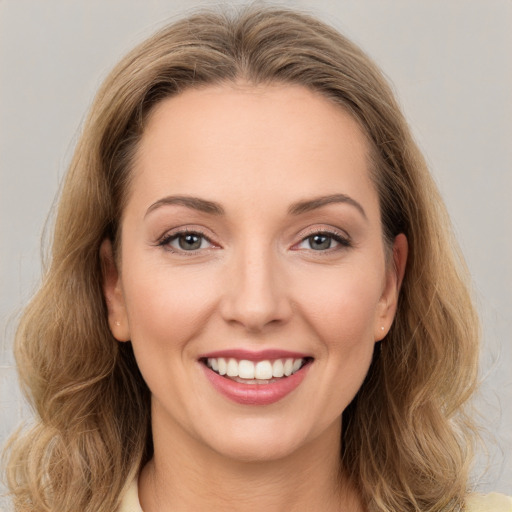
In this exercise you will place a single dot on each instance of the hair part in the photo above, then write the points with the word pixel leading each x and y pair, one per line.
pixel 406 442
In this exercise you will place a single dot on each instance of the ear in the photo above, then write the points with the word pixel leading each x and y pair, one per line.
pixel 394 276
pixel 113 292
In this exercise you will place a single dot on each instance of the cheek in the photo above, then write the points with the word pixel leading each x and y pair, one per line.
pixel 165 308
pixel 166 312
pixel 339 307
pixel 342 305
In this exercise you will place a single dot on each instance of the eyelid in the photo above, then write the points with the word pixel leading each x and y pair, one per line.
pixel 340 236
pixel 172 234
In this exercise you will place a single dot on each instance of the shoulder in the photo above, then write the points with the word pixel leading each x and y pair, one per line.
pixel 130 500
pixel 492 502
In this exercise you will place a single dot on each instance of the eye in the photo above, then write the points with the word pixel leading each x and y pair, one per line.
pixel 323 241
pixel 187 241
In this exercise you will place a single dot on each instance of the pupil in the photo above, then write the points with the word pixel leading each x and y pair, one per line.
pixel 319 242
pixel 190 242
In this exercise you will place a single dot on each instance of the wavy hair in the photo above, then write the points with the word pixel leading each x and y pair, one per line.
pixel 406 441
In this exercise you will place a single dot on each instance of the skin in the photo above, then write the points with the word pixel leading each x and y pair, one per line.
pixel 256 282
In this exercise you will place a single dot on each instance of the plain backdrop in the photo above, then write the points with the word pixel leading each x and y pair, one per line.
pixel 450 63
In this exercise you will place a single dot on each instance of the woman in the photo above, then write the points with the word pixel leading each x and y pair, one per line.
pixel 253 299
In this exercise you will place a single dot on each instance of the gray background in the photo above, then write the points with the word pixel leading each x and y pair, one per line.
pixel 449 62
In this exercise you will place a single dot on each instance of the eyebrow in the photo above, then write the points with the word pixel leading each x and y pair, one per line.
pixel 318 202
pixel 194 203
pixel 214 208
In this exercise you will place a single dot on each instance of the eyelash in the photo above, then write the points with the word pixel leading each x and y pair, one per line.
pixel 343 241
pixel 165 241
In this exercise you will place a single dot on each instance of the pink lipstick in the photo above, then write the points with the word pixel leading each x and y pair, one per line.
pixel 255 378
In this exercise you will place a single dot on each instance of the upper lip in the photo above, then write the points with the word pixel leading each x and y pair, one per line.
pixel 254 355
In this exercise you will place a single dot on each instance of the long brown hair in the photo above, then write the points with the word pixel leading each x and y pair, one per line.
pixel 406 438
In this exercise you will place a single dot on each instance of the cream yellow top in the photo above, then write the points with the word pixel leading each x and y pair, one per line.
pixel 492 502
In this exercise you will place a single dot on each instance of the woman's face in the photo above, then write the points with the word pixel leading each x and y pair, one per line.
pixel 251 244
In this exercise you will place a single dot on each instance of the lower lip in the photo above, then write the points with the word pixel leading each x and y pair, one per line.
pixel 256 394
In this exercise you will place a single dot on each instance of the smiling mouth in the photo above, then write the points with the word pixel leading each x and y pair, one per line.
pixel 245 371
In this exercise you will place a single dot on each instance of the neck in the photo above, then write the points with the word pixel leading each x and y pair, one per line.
pixel 184 475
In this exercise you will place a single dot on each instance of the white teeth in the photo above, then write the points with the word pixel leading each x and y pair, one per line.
pixel 232 370
pixel 246 369
pixel 249 370
pixel 278 368
pixel 263 370
pixel 288 367
pixel 221 362
pixel 297 363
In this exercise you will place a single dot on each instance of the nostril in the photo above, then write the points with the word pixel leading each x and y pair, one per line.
pixel 255 295
pixel 256 313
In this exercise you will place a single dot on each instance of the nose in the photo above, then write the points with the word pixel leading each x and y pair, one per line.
pixel 256 295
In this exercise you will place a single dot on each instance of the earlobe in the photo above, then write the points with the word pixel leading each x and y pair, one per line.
pixel 112 290
pixel 394 278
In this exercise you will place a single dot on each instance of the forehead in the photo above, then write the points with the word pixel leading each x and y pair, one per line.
pixel 248 140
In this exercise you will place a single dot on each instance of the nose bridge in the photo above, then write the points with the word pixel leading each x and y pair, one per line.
pixel 256 295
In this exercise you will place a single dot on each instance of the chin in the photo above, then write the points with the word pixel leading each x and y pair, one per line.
pixel 257 450
pixel 262 441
